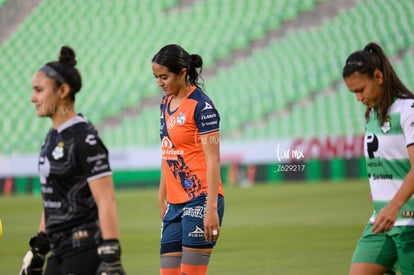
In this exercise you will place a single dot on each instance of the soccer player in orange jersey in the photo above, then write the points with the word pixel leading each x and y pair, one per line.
pixel 191 194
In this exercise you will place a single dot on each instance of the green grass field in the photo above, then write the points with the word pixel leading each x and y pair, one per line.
pixel 287 229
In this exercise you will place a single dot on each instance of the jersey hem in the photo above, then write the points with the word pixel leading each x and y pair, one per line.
pixel 209 132
pixel 99 176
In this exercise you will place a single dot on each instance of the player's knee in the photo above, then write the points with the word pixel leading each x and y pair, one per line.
pixel 170 261
pixel 191 257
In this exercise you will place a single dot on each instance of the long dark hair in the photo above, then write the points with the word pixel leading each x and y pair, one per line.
pixel 175 58
pixel 366 61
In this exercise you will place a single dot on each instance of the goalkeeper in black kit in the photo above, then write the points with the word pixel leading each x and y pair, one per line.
pixel 79 231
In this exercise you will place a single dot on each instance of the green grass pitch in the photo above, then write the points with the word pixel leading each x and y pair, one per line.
pixel 288 229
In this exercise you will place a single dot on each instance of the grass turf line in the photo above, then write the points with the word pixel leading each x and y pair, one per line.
pixel 289 229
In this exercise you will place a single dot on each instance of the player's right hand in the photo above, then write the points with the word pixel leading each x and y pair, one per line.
pixel 34 259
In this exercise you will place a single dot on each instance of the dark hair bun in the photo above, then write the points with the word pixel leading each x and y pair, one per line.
pixel 196 60
pixel 67 56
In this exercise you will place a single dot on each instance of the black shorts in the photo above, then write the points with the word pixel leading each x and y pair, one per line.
pixel 75 254
pixel 79 261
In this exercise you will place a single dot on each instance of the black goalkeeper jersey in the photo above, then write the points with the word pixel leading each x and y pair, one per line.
pixel 71 156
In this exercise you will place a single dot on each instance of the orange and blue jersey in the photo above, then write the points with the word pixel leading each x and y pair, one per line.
pixel 182 132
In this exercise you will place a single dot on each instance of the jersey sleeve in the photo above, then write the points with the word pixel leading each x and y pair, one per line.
pixel 93 156
pixel 206 117
pixel 407 123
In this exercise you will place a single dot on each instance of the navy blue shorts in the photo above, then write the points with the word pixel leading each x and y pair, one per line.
pixel 183 225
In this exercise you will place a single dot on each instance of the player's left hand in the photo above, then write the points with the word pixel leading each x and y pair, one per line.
pixel 385 219
pixel 110 253
pixel 211 225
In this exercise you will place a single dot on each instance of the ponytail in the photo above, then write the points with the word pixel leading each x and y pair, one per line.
pixel 175 58
pixel 64 71
pixel 367 61
pixel 193 75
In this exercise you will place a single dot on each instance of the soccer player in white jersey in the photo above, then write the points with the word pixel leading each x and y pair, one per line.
pixel 79 222
pixel 388 239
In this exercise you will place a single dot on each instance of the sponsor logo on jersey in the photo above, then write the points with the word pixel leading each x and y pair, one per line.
pixel 171 122
pixel 380 176
pixel 208 116
pixel 99 167
pixel 196 212
pixel 47 190
pixel 407 214
pixel 197 233
pixel 96 158
pixel 203 124
pixel 44 169
pixel 207 107
pixel 52 204
pixel 81 234
pixel 372 145
pixel 210 119
pixel 58 151
pixel 374 164
pixel 166 143
pixel 181 119
pixel 167 149
pixel 91 139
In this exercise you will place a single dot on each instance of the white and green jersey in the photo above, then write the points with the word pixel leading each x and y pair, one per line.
pixel 387 156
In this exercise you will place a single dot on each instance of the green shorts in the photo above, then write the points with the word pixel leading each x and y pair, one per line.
pixel 387 249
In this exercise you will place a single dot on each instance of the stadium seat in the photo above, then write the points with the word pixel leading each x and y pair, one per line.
pixel 116 41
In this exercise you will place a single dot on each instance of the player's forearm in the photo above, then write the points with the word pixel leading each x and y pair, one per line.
pixel 213 178
pixel 162 192
pixel 42 225
pixel 103 193
pixel 108 220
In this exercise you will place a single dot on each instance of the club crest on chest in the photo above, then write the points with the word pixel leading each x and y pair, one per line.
pixel 58 151
pixel 386 126
pixel 181 119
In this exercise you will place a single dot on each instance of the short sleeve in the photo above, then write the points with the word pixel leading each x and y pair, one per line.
pixel 407 122
pixel 93 156
pixel 206 117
